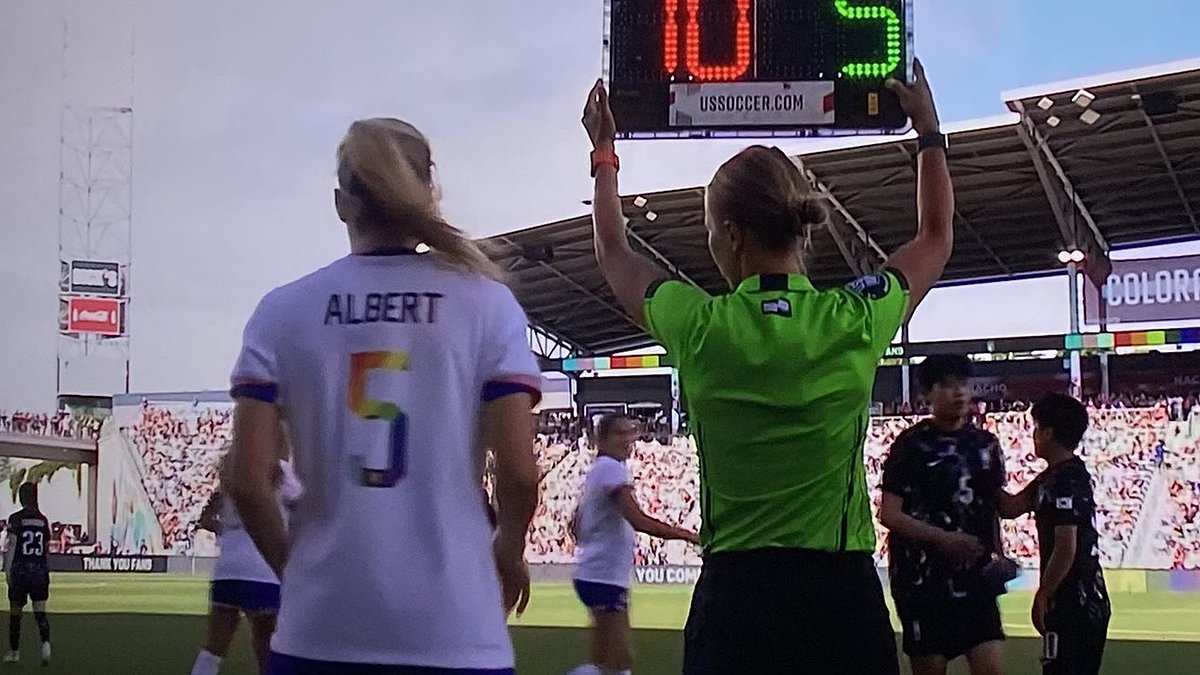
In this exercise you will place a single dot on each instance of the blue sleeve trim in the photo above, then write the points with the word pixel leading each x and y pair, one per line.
pixel 259 391
pixel 899 276
pixel 497 390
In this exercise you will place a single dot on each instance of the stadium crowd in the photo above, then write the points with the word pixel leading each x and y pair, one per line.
pixel 179 454
pixel 1177 534
pixel 1177 407
pixel 62 424
pixel 1124 449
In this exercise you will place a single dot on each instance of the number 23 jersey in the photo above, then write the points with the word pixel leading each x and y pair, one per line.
pixel 381 366
pixel 29 536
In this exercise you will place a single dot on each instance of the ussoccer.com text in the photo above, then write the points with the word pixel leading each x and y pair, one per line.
pixel 752 103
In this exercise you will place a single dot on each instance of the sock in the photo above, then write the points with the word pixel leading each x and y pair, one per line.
pixel 207 663
pixel 14 631
pixel 43 624
pixel 585 669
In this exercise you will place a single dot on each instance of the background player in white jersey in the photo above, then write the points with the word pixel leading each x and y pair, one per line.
pixel 393 370
pixel 242 582
pixel 28 571
pixel 604 526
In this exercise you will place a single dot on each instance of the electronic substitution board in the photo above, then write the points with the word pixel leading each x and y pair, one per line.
pixel 746 68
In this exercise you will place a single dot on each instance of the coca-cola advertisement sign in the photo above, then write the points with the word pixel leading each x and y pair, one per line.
pixel 101 316
pixel 1146 289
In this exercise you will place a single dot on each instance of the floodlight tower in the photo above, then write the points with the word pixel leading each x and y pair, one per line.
pixel 95 210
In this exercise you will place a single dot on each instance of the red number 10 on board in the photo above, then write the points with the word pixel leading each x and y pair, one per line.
pixel 689 62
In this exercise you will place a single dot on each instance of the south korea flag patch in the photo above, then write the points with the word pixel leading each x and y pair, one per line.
pixel 1064 504
pixel 873 286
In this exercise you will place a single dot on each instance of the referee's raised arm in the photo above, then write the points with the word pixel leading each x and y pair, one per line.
pixel 629 274
pixel 923 259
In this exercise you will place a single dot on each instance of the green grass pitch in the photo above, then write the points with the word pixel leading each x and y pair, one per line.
pixel 154 624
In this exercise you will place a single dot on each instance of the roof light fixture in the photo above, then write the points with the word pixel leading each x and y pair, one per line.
pixel 1072 256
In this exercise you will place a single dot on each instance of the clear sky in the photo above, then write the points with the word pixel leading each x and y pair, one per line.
pixel 239 106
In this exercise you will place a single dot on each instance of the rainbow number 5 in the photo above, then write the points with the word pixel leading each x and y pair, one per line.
pixel 361 364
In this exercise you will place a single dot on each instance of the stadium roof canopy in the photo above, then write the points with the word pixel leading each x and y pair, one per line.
pixel 1048 176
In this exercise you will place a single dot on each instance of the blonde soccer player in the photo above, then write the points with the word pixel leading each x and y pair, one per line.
pixel 393 370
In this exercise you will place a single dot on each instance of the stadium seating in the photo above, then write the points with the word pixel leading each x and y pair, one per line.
pixel 1126 449
pixel 179 454
pixel 1120 450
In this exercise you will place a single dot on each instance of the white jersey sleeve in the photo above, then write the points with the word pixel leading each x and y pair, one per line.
pixel 256 373
pixel 509 365
pixel 610 476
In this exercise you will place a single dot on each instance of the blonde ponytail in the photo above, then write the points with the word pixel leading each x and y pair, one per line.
pixel 386 164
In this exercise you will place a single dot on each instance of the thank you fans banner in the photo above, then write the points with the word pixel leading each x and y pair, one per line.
pixel 1147 289
pixel 129 564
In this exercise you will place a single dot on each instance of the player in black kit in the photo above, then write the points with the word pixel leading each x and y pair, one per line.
pixel 28 571
pixel 941 482
pixel 1071 609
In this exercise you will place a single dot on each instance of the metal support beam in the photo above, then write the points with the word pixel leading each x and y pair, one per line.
pixel 1060 191
pixel 580 287
pixel 48 448
pixel 655 253
pixel 970 227
pixel 855 263
pixel 1162 152
pixel 858 247
pixel 965 221
pixel 559 309
pixel 662 259
pixel 546 344
pixel 1076 367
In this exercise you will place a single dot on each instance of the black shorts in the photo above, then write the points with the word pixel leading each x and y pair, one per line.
pixel 789 611
pixel 1073 644
pixel 948 627
pixel 28 582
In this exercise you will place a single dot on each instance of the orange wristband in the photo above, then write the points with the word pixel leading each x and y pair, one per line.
pixel 608 157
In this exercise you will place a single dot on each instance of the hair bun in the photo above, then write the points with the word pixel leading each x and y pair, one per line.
pixel 808 210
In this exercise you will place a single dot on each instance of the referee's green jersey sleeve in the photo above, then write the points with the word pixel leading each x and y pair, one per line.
pixel 673 314
pixel 883 300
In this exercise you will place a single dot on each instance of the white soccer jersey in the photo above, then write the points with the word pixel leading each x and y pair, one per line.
pixel 240 559
pixel 606 540
pixel 380 365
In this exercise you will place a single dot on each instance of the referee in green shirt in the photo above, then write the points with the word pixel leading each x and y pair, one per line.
pixel 778 379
